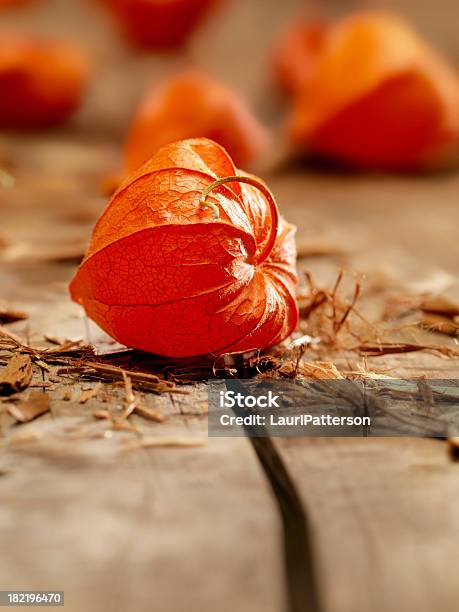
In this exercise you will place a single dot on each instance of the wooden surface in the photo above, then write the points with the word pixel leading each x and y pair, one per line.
pixel 328 524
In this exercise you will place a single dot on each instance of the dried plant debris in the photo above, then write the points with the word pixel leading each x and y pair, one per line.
pixel 109 373
pixel 435 313
pixel 438 323
pixel 326 315
pixel 89 394
pixel 149 413
pixel 56 354
pixel 440 305
pixel 17 375
pixel 80 360
pixel 453 444
pixel 134 403
pixel 130 398
pixel 164 442
pixel 9 315
pixel 101 414
pixel 36 404
pixel 392 348
pixel 318 370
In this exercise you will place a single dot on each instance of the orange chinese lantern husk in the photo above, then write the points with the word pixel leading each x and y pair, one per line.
pixel 184 263
pixel 192 105
pixel 378 96
pixel 41 81
pixel 296 51
pixel 14 3
pixel 157 24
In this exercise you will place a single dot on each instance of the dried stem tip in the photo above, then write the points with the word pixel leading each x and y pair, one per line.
pixel 253 182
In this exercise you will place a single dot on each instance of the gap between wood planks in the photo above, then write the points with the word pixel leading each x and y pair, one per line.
pixel 299 560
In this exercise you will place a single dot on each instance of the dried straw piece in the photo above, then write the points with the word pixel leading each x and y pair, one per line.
pixel 17 375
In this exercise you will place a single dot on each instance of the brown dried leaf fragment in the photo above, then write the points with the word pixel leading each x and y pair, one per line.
pixel 35 405
pixel 17 375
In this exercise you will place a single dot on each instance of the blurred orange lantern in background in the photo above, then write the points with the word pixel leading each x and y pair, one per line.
pixel 375 95
pixel 13 3
pixel 41 81
pixel 158 24
pixel 295 52
pixel 193 105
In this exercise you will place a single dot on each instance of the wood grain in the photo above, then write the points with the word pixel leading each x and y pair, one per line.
pixel 384 521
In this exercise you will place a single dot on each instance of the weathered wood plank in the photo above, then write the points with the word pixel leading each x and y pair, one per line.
pixel 384 515
pixel 177 529
pixel 86 509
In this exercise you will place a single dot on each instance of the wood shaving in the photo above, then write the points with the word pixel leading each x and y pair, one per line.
pixel 89 394
pixel 149 413
pixel 165 442
pixel 130 399
pixel 124 426
pixel 453 444
pixel 101 414
pixel 8 315
pixel 17 375
pixel 440 305
pixel 439 323
pixel 110 373
pixel 35 405
pixel 392 348
pixel 133 404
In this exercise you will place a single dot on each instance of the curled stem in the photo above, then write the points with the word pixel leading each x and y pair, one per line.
pixel 248 180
